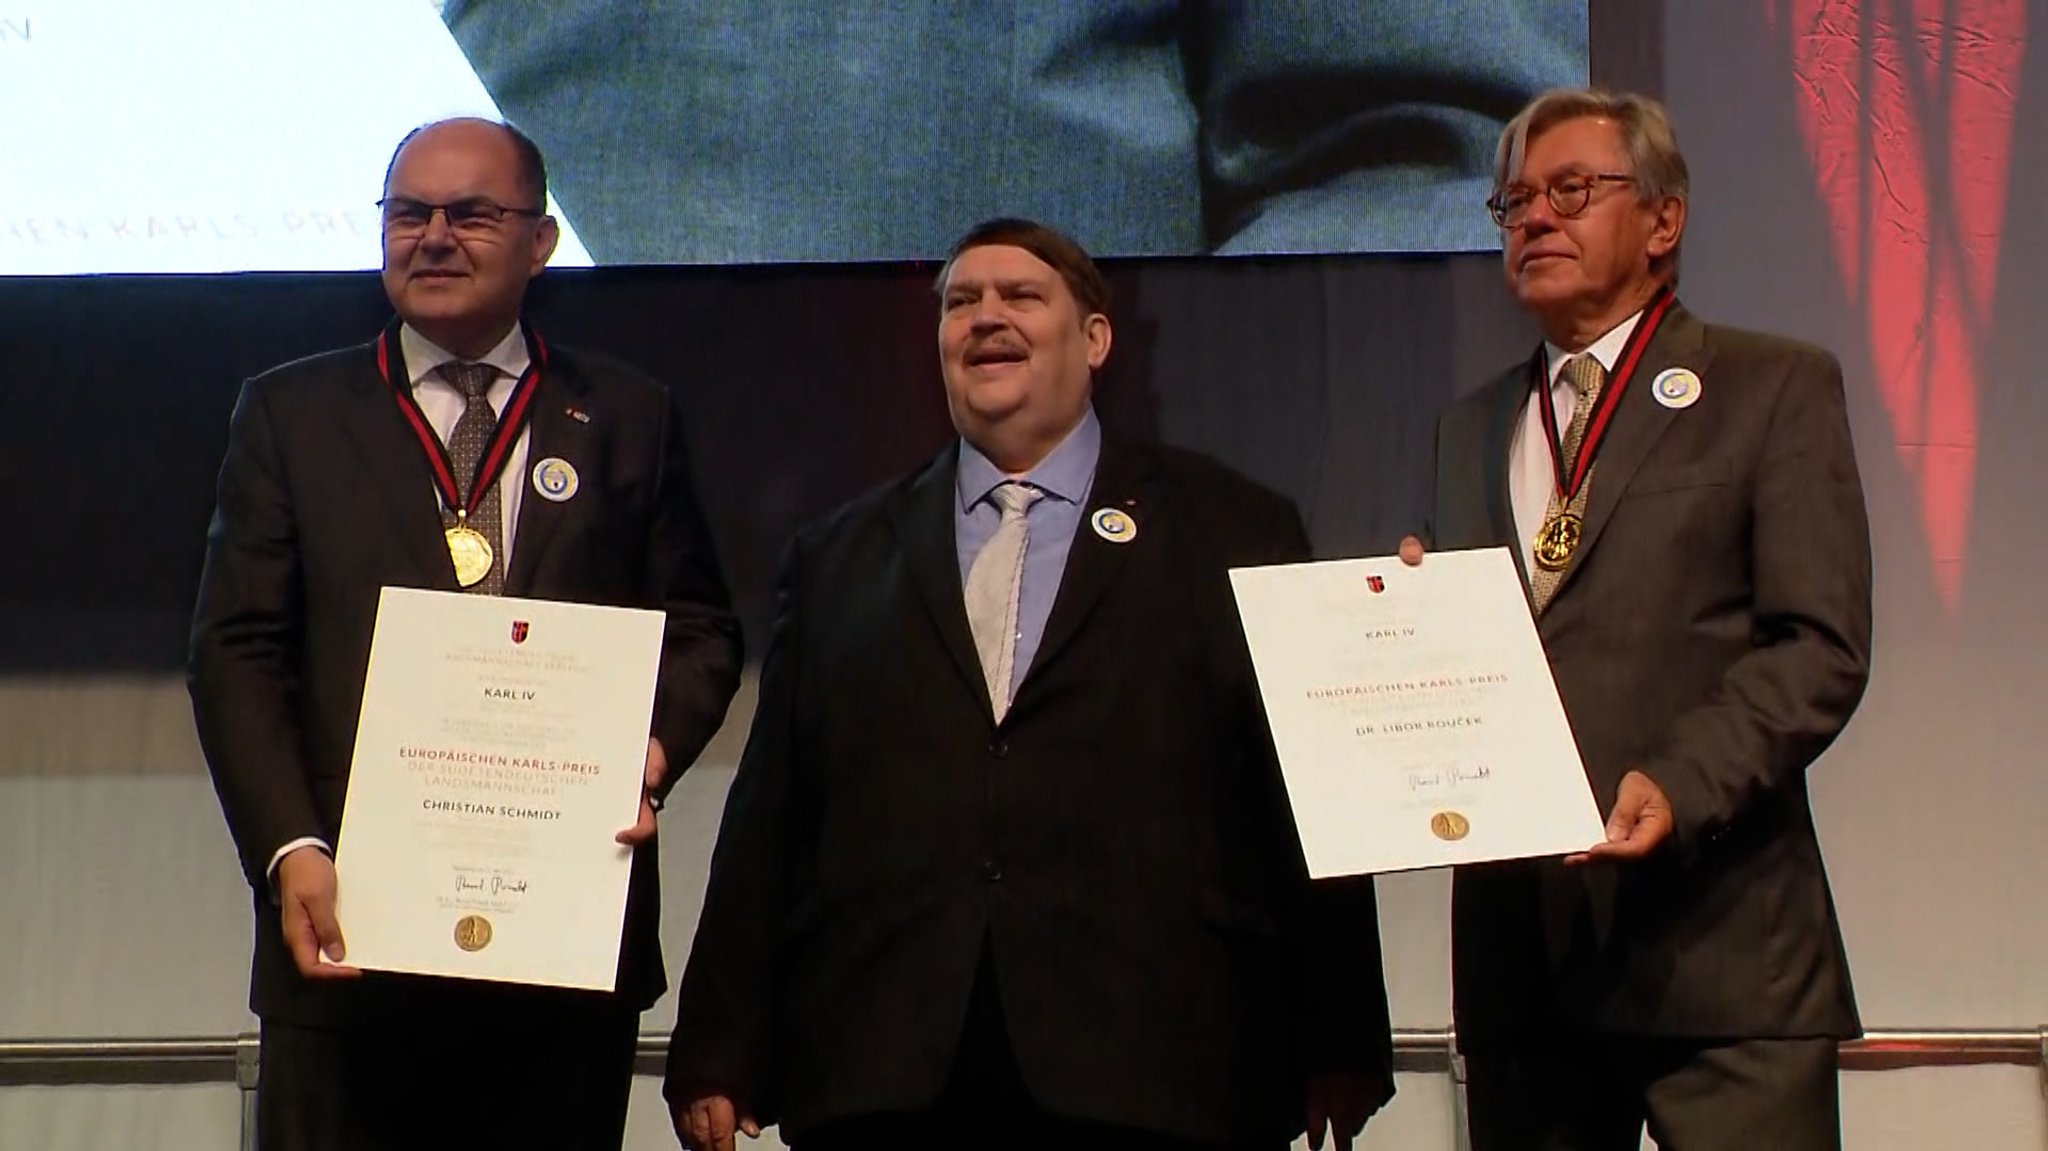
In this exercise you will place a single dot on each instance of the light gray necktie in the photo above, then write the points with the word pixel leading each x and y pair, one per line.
pixel 1587 377
pixel 467 442
pixel 993 583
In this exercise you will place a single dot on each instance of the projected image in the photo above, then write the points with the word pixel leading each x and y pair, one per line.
pixel 774 130
pixel 215 135
pixel 221 135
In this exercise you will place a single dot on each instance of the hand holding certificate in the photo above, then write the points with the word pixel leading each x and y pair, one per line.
pixel 502 745
pixel 1414 713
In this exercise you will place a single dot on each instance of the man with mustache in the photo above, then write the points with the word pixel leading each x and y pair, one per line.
pixel 1008 861
pixel 330 493
pixel 1684 502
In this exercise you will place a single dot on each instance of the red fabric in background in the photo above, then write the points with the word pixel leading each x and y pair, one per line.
pixel 1906 107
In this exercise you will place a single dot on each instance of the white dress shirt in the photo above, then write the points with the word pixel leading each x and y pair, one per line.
pixel 1531 475
pixel 442 404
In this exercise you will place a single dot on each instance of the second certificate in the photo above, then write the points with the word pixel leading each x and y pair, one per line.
pixel 1414 713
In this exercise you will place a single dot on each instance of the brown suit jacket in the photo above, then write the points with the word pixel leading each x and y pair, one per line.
pixel 1712 631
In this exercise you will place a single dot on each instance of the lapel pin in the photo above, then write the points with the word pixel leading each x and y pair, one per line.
pixel 1114 525
pixel 554 479
pixel 1676 388
pixel 577 414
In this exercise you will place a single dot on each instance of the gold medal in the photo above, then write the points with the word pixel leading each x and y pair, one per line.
pixel 471 553
pixel 1557 541
pixel 1449 826
pixel 472 933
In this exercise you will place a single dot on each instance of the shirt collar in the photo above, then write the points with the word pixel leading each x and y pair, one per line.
pixel 423 356
pixel 1606 349
pixel 1064 474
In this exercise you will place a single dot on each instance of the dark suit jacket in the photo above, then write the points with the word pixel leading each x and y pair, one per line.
pixel 1713 631
pixel 1121 841
pixel 325 497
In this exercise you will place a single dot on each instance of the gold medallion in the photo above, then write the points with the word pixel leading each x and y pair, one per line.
pixel 471 553
pixel 1557 541
pixel 1449 826
pixel 472 933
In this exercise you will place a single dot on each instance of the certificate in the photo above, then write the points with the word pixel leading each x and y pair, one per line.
pixel 502 745
pixel 1414 713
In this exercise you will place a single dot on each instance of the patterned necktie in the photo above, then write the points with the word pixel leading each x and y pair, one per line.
pixel 993 583
pixel 1586 377
pixel 466 446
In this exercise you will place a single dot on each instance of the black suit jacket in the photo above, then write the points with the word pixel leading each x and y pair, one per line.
pixel 1713 631
pixel 1121 841
pixel 325 498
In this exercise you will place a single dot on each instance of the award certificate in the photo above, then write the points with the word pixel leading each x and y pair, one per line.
pixel 502 745
pixel 1414 713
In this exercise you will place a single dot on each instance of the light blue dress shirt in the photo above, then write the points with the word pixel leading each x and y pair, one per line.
pixel 1064 477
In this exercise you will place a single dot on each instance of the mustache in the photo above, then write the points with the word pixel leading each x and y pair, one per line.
pixel 995 349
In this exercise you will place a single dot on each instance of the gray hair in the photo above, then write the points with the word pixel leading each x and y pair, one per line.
pixel 1649 145
pixel 1647 139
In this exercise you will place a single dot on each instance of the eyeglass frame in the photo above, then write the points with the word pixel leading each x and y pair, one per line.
pixel 1498 207
pixel 479 214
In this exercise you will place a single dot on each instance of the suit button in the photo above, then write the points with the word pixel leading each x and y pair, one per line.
pixel 999 748
pixel 992 871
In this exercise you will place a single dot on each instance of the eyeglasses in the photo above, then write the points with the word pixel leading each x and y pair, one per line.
pixel 475 216
pixel 1568 197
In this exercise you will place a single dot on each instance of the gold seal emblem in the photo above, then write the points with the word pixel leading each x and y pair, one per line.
pixel 472 933
pixel 1557 541
pixel 471 553
pixel 1449 826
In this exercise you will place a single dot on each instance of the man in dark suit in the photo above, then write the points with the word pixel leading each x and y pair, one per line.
pixel 1684 501
pixel 1007 861
pixel 328 494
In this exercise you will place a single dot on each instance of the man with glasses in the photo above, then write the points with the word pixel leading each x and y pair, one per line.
pixel 329 493
pixel 1683 500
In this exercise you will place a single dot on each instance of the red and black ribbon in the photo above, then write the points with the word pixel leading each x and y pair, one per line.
pixel 510 422
pixel 1603 409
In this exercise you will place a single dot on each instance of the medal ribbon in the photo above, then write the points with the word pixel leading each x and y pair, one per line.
pixel 1603 410
pixel 517 408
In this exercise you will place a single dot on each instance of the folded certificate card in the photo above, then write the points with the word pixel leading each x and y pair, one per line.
pixel 1414 713
pixel 501 747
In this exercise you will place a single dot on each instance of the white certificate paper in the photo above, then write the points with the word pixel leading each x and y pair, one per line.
pixel 1414 713
pixel 502 745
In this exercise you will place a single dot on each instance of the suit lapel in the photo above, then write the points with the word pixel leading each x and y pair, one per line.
pixel 1122 481
pixel 394 465
pixel 1639 422
pixel 1506 413
pixel 551 433
pixel 923 518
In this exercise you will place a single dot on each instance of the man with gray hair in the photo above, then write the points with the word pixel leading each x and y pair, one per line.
pixel 1683 500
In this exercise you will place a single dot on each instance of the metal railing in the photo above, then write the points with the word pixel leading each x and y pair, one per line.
pixel 138 1062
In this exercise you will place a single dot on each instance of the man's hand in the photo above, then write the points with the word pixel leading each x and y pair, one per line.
pixel 657 770
pixel 1411 551
pixel 305 898
pixel 708 1122
pixel 1343 1101
pixel 1641 821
